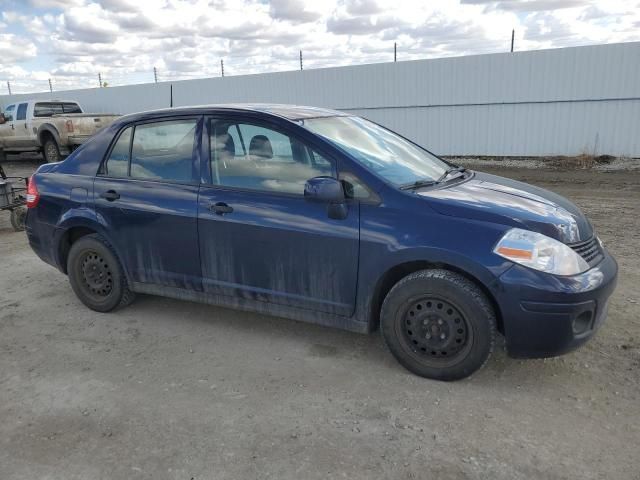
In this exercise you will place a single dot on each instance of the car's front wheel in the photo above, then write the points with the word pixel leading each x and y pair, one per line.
pixel 438 324
pixel 96 276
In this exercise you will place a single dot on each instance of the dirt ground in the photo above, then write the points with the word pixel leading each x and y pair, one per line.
pixel 171 389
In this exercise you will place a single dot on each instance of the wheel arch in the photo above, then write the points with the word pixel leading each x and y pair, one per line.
pixel 400 270
pixel 71 231
pixel 45 130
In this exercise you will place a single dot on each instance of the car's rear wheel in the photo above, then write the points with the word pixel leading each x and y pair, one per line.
pixel 96 275
pixel 50 150
pixel 438 324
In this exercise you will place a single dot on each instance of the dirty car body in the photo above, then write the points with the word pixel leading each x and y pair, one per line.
pixel 254 222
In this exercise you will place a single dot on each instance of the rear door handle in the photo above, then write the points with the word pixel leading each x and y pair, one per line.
pixel 220 208
pixel 110 195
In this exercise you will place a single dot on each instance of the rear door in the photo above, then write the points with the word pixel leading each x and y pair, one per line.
pixel 259 238
pixel 147 193
pixel 22 137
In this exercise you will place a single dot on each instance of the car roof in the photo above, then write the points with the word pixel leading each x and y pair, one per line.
pixel 290 112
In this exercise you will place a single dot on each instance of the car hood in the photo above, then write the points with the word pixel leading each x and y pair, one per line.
pixel 501 200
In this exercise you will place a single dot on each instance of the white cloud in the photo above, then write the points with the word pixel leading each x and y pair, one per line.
pixel 124 39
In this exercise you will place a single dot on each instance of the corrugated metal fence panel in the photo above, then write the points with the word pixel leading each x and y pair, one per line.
pixel 549 102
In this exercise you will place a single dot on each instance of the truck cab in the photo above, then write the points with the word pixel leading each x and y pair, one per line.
pixel 53 127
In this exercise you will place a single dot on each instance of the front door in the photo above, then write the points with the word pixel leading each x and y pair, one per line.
pixel 147 195
pixel 8 129
pixel 259 238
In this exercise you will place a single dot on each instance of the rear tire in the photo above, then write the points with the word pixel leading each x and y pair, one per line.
pixel 438 325
pixel 50 150
pixel 96 276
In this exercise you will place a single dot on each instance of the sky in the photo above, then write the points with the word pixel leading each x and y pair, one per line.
pixel 72 41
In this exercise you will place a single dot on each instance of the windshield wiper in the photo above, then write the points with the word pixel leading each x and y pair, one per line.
pixel 448 171
pixel 429 183
pixel 417 184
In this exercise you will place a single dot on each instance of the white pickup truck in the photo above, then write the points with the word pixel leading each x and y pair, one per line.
pixel 53 127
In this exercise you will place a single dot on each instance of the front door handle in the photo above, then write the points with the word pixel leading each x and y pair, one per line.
pixel 110 195
pixel 220 208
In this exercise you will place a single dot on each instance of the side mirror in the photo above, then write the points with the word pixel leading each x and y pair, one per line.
pixel 324 189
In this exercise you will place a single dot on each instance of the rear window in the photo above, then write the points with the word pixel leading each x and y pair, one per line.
pixel 47 109
pixel 71 108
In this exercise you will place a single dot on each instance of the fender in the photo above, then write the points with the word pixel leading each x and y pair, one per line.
pixel 48 127
pixel 368 299
pixel 86 218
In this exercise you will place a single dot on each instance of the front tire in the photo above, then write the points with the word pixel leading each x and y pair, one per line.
pixel 96 275
pixel 438 325
pixel 50 151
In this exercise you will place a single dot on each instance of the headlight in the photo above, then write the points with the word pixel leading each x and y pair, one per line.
pixel 540 252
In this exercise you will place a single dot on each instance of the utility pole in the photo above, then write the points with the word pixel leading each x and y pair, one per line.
pixel 9 87
pixel 155 74
pixel 100 80
pixel 300 60
pixel 395 52
pixel 222 66
pixel 513 34
pixel 50 87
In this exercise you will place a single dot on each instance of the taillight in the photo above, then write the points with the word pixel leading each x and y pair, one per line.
pixel 32 193
pixel 69 125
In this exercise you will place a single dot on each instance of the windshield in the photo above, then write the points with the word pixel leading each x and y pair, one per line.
pixel 392 157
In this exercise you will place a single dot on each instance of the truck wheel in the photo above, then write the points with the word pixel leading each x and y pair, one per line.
pixel 438 325
pixel 50 151
pixel 96 275
pixel 18 216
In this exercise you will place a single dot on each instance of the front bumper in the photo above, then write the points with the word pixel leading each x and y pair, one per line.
pixel 546 315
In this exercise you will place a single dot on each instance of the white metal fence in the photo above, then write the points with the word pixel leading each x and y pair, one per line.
pixel 549 102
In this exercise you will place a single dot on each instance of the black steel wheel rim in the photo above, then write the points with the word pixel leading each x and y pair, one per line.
pixel 97 277
pixel 434 331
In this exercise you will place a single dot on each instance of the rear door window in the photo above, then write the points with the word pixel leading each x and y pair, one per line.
pixel 117 164
pixel 164 151
pixel 22 112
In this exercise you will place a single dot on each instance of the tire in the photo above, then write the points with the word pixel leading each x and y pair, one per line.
pixel 18 216
pixel 96 275
pixel 50 150
pixel 438 325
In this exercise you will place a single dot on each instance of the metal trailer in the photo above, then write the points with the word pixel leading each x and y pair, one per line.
pixel 13 198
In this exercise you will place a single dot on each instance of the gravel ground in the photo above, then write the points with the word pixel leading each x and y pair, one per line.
pixel 170 389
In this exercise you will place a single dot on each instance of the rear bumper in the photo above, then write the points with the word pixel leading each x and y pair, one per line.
pixel 546 315
pixel 41 238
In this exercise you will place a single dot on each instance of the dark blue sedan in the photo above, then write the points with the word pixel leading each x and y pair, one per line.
pixel 325 217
